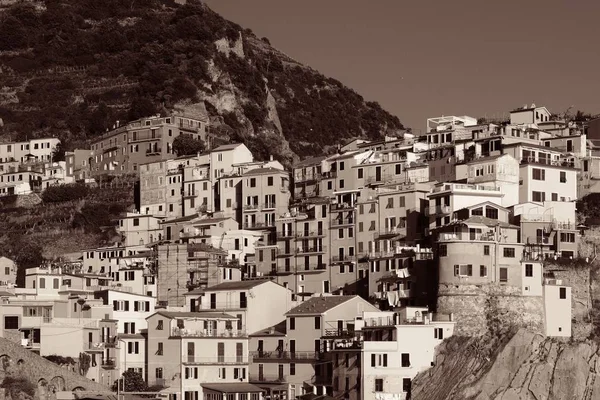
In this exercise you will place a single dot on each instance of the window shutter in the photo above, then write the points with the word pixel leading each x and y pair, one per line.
pixel 470 270
pixel 373 360
pixel 126 305
pixel 187 373
pixel 147 306
pixel 115 305
pixel 385 360
pixel 135 306
pixel 456 270
pixel 195 373
pixel 137 347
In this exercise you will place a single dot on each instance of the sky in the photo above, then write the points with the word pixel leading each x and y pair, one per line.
pixel 422 58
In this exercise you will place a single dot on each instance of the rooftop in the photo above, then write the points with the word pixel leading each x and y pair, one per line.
pixel 310 161
pixel 478 219
pixel 234 285
pixel 319 305
pixel 264 171
pixel 180 219
pixel 184 314
pixel 225 147
pixel 279 329
pixel 233 387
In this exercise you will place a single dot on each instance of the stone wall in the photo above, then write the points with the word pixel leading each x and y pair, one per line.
pixel 49 377
pixel 479 308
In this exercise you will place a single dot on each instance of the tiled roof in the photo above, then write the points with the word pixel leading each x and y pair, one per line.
pixel 319 305
pixel 263 171
pixel 130 336
pixel 234 285
pixel 310 161
pixel 279 329
pixel 180 219
pixel 200 314
pixel 233 387
pixel 209 221
pixel 230 146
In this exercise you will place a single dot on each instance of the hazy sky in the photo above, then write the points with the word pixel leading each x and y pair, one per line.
pixel 424 58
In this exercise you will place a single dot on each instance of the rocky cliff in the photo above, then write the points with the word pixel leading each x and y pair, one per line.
pixel 523 366
pixel 71 68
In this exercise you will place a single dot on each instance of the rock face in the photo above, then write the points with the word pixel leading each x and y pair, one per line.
pixel 526 366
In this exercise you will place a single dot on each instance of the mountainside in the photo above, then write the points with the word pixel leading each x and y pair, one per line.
pixel 525 366
pixel 71 68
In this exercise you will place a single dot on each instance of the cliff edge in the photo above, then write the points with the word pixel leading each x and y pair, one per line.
pixel 519 366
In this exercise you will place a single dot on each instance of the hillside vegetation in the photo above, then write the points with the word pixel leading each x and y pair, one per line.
pixel 71 68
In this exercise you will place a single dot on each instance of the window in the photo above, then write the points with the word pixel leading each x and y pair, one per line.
pixel 159 350
pixel 159 327
pixel 292 323
pixel 398 169
pixel 317 322
pixel 562 293
pixel 438 333
pixel 341 233
pixel 360 173
pixel 539 174
pixel 379 385
pixel 477 211
pixel 402 201
pixel 390 203
pixel 158 373
pixel 503 274
pixel 529 270
pixel 341 165
pixel 463 270
pixel 563 177
pixel 42 283
pixel 491 213
pixel 486 250
pixel 482 271
pixel 55 283
pixel 567 237
pixel 405 360
pixel 341 183
pixel 554 196
pixel 136 222
pixel 292 369
pixel 538 196
pixel 443 250
pixel 509 252
pixel 252 182
pixel 11 322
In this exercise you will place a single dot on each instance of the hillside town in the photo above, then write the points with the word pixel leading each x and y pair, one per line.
pixel 240 279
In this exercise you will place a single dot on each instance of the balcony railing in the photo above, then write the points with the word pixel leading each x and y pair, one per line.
pixel 109 363
pixel 223 305
pixel 441 209
pixel 223 360
pixel 258 225
pixel 208 333
pixel 538 240
pixel 547 161
pixel 342 221
pixel 284 355
pixel 401 293
pixel 306 234
pixel 311 249
pixel 266 378
pixel 285 235
pixel 390 232
pixel 269 206
pixel 452 236
pixel 250 207
pixel 343 258
pixel 94 346
pixel 343 333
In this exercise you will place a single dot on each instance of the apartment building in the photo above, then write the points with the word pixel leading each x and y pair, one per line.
pixel 557 308
pixel 529 115
pixel 536 174
pixel 140 229
pixel 385 351
pixel 246 300
pixel 265 192
pixel 124 148
pixel 299 358
pixel 184 267
pixel 78 164
pixel 197 354
pixel 308 177
pixel 501 171
pixel 34 149
pixel 8 271
pixel 446 198
pixel 130 309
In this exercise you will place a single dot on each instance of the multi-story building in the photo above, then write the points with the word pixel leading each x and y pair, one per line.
pixel 130 309
pixel 140 229
pixel 8 271
pixel 529 115
pixel 124 148
pixel 246 300
pixel 265 193
pixel 384 352
pixel 199 352
pixel 78 164
pixel 557 308
pixel 299 358
pixel 34 149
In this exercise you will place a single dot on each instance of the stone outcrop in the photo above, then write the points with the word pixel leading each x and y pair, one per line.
pixel 524 366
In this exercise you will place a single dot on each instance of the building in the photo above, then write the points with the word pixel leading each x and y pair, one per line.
pixel 8 271
pixel 529 115
pixel 557 308
pixel 299 358
pixel 78 164
pixel 124 148
pixel 265 192
pixel 140 229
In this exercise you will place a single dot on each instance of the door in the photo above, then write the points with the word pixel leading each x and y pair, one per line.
pixel 243 300
pixel 260 348
pixel 168 233
pixel 190 352
pixel 213 301
pixel 221 352
pixel 378 174
pixel 239 352
pixel 261 373
pixel 293 348
pixel 280 348
pixel 340 326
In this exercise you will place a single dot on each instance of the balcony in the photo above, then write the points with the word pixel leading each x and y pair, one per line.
pixel 547 161
pixel 219 360
pixel 339 333
pixel 277 356
pixel 281 271
pixel 269 206
pixel 466 236
pixel 154 152
pixel 266 378
pixel 208 333
pixel 109 363
pixel 342 207
pixel 541 240
pixel 338 258
pixel 311 249
pixel 307 177
pixel 285 235
pixel 250 207
pixel 191 193
pixel 401 293
pixel 312 268
pixel 94 346
pixel 224 305
pixel 258 225
pixel 441 209
pixel 308 234
pixel 342 221
pixel 390 232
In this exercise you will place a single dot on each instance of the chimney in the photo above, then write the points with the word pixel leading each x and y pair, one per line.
pixel 118 123
pixel 271 157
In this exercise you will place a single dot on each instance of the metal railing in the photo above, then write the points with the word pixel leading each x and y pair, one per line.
pixel 223 305
pixel 184 332
pixel 311 249
pixel 225 360
pixel 266 378
pixel 451 236
pixel 284 355
pixel 266 206
pixel 342 221
pixel 110 362
pixel 343 258
pixel 250 207
pixel 302 234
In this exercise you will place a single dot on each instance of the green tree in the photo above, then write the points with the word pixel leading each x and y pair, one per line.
pixel 16 386
pixel 26 255
pixel 58 154
pixel 186 145
pixel 134 382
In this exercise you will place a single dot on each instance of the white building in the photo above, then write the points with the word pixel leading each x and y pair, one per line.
pixel 130 309
pixel 557 308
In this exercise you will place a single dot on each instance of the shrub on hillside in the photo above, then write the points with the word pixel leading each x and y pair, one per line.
pixel 15 386
pixel 62 193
